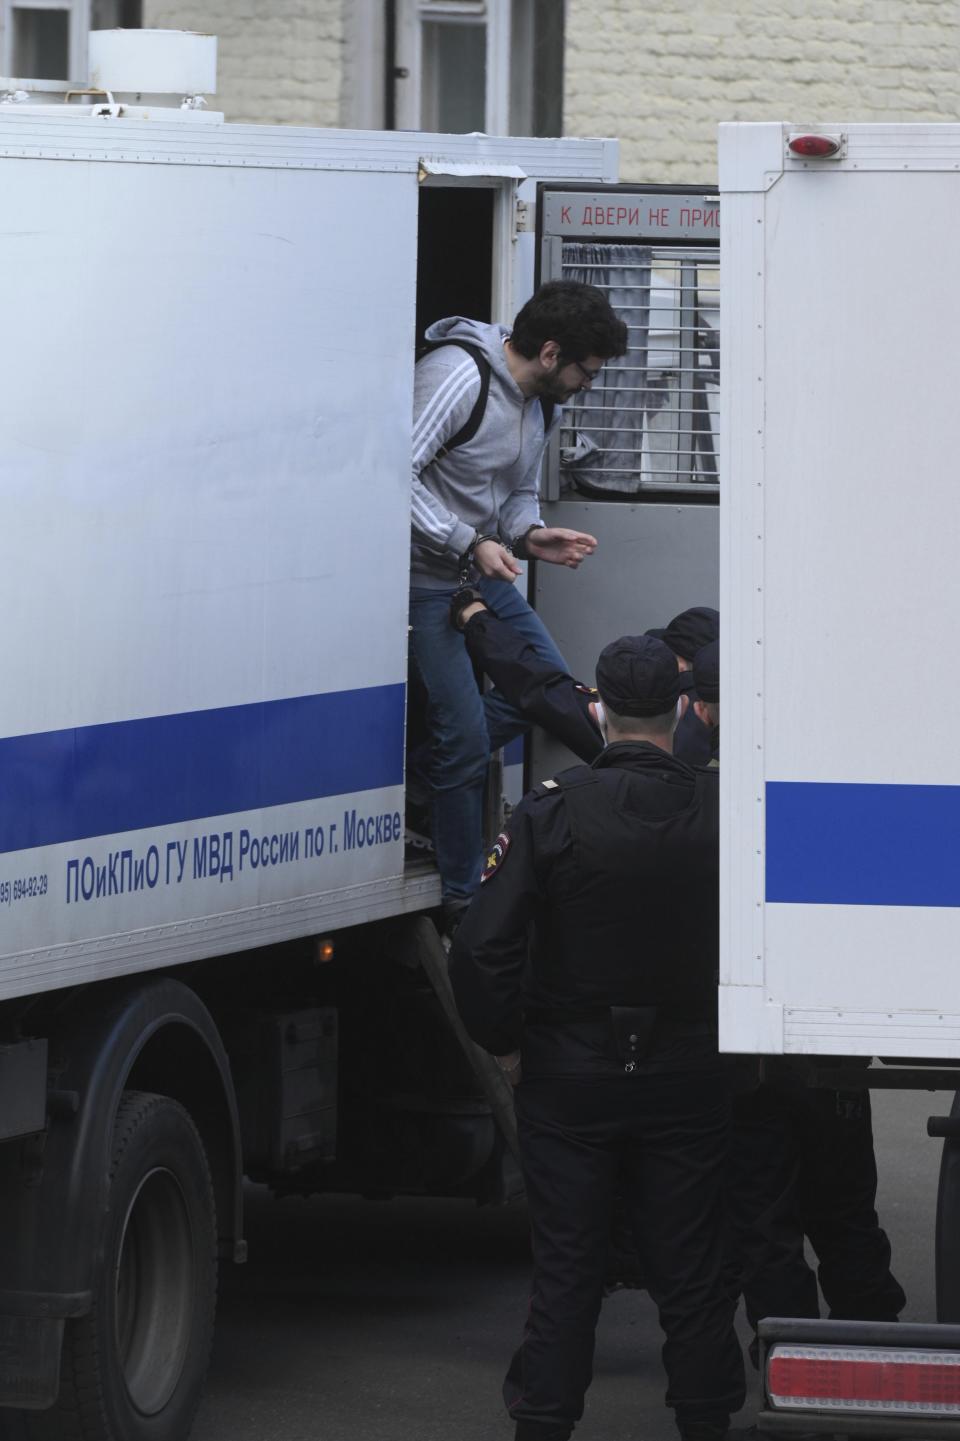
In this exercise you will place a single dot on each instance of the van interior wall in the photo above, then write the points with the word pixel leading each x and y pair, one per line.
pixel 454 254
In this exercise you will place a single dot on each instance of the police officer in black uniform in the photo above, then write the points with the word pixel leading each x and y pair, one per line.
pixel 571 969
pixel 801 1165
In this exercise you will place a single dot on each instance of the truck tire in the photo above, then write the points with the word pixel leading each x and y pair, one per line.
pixel 133 1369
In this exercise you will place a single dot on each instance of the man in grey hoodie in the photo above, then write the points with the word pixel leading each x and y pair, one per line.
pixel 475 513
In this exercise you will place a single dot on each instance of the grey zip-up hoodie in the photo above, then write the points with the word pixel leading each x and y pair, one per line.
pixel 487 486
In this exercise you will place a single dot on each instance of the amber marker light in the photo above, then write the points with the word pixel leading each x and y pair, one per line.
pixel 325 950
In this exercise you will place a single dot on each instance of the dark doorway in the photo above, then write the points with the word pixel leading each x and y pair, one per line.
pixel 454 254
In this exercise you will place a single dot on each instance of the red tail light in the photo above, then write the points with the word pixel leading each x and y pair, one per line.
pixel 864 1379
pixel 819 147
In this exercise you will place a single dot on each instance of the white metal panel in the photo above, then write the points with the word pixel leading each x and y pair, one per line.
pixel 751 157
pixel 205 414
pixel 201 425
pixel 165 142
pixel 892 148
pixel 861 533
pixel 838 575
pixel 893 1035
pixel 843 965
pixel 124 953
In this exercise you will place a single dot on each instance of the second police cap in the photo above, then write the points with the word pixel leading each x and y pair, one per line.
pixel 706 673
pixel 691 630
pixel 637 676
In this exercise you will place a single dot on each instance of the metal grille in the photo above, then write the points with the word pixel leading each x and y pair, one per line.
pixel 651 421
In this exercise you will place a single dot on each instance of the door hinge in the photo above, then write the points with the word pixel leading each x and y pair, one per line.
pixel 525 218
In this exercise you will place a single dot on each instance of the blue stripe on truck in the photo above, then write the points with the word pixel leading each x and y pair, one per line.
pixel 126 776
pixel 862 845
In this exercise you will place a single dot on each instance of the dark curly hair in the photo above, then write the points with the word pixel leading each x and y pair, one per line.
pixel 578 317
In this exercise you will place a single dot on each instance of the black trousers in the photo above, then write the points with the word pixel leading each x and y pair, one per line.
pixel 662 1138
pixel 802 1164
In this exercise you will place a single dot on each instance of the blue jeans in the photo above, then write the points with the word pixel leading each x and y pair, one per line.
pixel 465 726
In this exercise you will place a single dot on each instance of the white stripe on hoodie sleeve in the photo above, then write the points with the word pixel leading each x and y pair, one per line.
pixel 446 410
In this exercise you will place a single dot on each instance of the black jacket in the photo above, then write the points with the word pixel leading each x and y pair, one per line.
pixel 603 892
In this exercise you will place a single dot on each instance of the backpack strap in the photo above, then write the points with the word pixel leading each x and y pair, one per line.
pixel 472 424
pixel 469 429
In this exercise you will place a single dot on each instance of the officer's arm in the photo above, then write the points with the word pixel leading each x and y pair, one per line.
pixel 489 950
pixel 542 692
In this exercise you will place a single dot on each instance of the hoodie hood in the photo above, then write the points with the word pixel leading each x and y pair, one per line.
pixel 488 338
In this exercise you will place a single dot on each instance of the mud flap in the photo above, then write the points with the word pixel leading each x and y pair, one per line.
pixel 427 948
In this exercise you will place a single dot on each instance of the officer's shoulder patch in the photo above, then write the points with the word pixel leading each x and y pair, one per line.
pixel 589 690
pixel 496 856
pixel 545 788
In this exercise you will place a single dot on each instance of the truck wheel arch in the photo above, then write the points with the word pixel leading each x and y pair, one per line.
pixel 152 1034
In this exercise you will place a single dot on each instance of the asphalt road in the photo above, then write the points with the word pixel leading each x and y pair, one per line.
pixel 370 1321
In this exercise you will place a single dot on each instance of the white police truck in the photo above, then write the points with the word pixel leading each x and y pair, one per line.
pixel 840 593
pixel 213 958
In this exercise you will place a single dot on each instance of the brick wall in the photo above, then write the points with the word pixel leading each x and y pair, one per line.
pixel 279 62
pixel 661 74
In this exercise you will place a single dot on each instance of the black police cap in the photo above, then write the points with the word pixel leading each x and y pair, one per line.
pixel 637 676
pixel 691 630
pixel 706 673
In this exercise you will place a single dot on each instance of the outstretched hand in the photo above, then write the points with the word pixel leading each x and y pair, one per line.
pixel 559 546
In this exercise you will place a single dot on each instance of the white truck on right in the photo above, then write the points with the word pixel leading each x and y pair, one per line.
pixel 840 594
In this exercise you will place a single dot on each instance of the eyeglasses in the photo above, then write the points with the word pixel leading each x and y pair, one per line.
pixel 589 375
